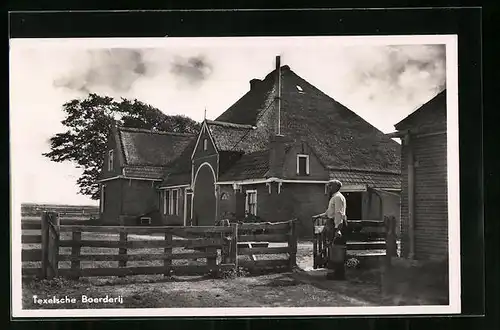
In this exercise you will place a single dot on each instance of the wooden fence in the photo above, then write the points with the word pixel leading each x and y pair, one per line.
pixel 172 250
pixel 365 239
pixel 268 245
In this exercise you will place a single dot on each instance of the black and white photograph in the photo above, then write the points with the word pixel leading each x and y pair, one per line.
pixel 234 176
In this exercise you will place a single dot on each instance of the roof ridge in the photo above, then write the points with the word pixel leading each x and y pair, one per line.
pixel 119 139
pixel 143 130
pixel 229 124
pixel 146 165
pixel 333 168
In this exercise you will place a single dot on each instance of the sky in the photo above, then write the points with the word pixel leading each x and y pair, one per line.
pixel 383 81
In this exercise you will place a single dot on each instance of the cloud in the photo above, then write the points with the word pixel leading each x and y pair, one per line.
pixel 194 70
pixel 397 72
pixel 115 68
pixel 118 69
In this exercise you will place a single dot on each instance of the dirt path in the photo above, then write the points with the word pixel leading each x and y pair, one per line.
pixel 283 290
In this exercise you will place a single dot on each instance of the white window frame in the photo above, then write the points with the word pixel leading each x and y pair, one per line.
pixel 111 159
pixel 247 204
pixel 171 202
pixel 205 144
pixel 103 193
pixel 299 156
pixel 165 204
pixel 191 195
pixel 168 201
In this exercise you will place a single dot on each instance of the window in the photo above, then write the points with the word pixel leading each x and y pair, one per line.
pixel 110 160
pixel 302 164
pixel 103 190
pixel 175 202
pixel 166 197
pixel 171 202
pixel 205 144
pixel 251 202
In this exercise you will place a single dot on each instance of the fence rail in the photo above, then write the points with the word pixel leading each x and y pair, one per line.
pixel 365 238
pixel 68 247
pixel 276 257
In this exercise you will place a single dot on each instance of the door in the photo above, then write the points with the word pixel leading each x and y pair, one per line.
pixel 204 201
pixel 354 205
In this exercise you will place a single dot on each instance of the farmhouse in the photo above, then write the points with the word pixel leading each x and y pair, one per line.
pixel 270 156
pixel 134 165
pixel 424 202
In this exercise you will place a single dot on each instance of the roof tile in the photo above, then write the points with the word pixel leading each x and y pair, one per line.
pixel 153 148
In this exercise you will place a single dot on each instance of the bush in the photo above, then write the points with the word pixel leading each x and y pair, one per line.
pixel 352 263
pixel 229 274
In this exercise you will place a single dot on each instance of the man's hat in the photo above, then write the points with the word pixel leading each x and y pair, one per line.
pixel 335 182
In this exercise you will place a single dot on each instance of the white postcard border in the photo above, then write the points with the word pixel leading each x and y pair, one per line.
pixel 454 306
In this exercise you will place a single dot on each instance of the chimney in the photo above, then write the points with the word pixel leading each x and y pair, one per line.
pixel 276 156
pixel 278 96
pixel 254 83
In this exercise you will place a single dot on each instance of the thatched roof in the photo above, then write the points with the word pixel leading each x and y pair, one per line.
pixel 340 137
pixel 146 153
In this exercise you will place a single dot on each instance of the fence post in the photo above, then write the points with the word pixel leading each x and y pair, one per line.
pixel 233 252
pixel 225 259
pixel 292 244
pixel 123 250
pixel 53 244
pixel 167 262
pixel 75 253
pixel 390 238
pixel 315 245
pixel 212 261
pixel 45 244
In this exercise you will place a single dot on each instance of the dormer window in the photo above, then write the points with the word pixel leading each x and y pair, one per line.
pixel 302 165
pixel 205 144
pixel 111 160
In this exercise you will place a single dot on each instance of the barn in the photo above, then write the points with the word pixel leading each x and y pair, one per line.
pixel 134 164
pixel 424 202
pixel 270 155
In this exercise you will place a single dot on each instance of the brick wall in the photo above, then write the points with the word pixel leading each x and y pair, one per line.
pixel 111 145
pixel 295 200
pixel 112 201
pixel 316 169
pixel 139 197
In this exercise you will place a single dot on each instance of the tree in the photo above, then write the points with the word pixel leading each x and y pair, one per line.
pixel 88 122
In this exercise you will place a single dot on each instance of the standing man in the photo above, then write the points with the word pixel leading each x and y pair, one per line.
pixel 336 226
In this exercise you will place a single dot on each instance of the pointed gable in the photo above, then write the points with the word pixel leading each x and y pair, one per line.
pixel 430 114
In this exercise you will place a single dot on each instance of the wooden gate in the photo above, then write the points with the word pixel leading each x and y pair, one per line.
pixel 365 239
